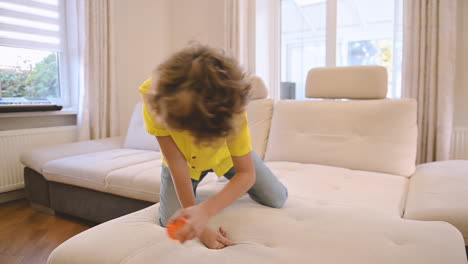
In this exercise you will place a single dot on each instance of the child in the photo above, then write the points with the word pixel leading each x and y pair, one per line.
pixel 195 106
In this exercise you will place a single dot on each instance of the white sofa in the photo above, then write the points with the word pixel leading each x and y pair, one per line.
pixel 101 180
pixel 348 165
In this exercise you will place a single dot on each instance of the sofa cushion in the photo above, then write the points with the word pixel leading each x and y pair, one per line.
pixel 323 186
pixel 438 191
pixel 294 234
pixel 137 136
pixel 353 82
pixel 36 158
pixel 369 135
pixel 259 114
pixel 139 181
pixel 259 89
pixel 90 170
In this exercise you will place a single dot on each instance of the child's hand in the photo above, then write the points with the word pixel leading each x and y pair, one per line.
pixel 195 218
pixel 215 240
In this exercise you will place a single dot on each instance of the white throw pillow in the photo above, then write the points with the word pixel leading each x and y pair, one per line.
pixel 137 137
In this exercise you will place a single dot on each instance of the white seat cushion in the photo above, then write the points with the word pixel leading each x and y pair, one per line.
pixel 324 186
pixel 438 191
pixel 140 181
pixel 90 170
pixel 37 158
pixel 294 234
pixel 370 135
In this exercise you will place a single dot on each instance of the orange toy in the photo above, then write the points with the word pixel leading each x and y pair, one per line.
pixel 174 227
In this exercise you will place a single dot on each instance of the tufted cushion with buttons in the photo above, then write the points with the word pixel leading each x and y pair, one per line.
pixel 319 185
pixel 370 135
pixel 299 233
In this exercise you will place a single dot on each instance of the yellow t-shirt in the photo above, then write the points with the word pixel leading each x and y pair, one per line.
pixel 201 158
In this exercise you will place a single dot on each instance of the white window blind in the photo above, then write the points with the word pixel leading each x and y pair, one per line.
pixel 31 24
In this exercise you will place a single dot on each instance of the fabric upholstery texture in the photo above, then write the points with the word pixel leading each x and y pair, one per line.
pixel 137 137
pixel 36 187
pixel 356 82
pixel 370 135
pixel 259 89
pixel 259 114
pixel 323 186
pixel 136 175
pixel 298 233
pixel 91 170
pixel 438 191
pixel 139 181
pixel 94 206
pixel 36 158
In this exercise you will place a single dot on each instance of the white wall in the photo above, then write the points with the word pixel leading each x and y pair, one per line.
pixel 145 32
pixel 461 93
pixel 141 39
pixel 200 20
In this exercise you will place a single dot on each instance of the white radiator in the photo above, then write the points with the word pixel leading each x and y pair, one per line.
pixel 14 142
pixel 459 147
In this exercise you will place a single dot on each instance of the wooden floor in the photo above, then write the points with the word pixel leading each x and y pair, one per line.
pixel 28 236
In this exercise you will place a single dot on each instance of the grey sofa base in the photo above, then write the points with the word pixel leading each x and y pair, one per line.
pixel 91 205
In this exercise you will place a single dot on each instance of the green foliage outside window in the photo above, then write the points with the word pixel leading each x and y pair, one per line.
pixel 39 81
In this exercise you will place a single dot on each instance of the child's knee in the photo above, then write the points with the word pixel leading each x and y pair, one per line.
pixel 273 200
pixel 279 201
pixel 163 217
pixel 162 223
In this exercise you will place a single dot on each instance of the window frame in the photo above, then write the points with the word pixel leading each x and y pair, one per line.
pixel 63 60
pixel 331 40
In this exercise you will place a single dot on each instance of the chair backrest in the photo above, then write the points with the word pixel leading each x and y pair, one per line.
pixel 377 135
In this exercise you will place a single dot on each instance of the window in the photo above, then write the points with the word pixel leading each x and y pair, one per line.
pixel 31 41
pixel 319 33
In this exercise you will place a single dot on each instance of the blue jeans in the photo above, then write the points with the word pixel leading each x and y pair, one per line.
pixel 267 190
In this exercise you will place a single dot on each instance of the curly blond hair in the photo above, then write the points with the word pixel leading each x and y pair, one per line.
pixel 201 90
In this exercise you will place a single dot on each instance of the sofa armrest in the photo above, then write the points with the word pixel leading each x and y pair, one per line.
pixel 438 191
pixel 36 158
